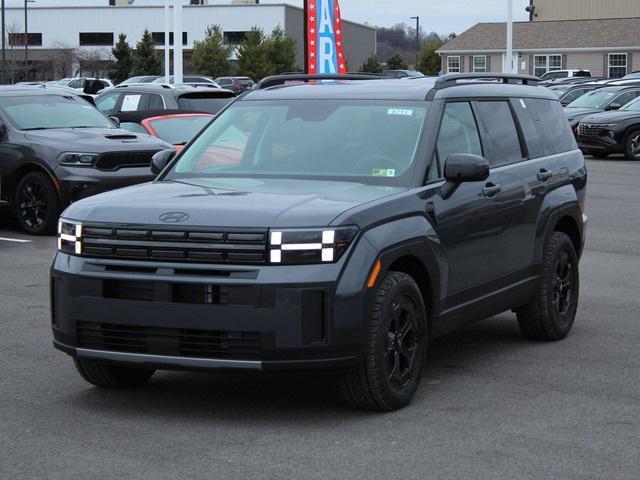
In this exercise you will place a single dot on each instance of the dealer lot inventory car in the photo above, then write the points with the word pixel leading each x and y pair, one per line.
pixel 355 220
pixel 144 97
pixel 570 92
pixel 56 148
pixel 600 100
pixel 612 132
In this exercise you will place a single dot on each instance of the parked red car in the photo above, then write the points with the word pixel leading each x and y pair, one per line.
pixel 173 126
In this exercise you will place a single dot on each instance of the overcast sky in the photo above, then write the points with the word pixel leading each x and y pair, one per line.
pixel 442 16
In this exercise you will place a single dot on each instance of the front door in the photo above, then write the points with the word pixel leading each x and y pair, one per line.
pixel 470 223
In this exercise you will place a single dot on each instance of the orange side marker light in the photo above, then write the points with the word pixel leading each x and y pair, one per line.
pixel 374 274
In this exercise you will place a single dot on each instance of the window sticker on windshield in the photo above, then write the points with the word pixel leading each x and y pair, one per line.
pixel 404 112
pixel 383 172
pixel 524 105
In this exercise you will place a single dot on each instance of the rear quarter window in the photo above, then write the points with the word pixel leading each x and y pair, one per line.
pixel 551 123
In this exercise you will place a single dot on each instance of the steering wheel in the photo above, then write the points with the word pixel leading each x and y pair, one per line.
pixel 376 160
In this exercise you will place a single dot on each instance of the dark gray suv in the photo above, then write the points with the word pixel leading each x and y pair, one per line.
pixel 333 226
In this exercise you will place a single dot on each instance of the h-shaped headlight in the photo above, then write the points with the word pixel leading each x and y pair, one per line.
pixel 306 245
pixel 70 237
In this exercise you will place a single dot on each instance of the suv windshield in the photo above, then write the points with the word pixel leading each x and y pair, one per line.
pixel 597 99
pixel 40 112
pixel 308 139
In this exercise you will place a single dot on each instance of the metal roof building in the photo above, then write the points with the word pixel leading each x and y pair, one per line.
pixel 87 33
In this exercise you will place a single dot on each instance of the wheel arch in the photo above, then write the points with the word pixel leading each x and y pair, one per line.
pixel 25 169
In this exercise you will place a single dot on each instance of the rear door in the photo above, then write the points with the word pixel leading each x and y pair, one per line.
pixel 469 221
pixel 508 160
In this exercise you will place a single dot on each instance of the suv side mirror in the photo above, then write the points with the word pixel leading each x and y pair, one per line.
pixel 161 159
pixel 614 106
pixel 115 120
pixel 463 167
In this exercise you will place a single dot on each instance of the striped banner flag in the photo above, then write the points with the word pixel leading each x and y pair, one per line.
pixel 324 50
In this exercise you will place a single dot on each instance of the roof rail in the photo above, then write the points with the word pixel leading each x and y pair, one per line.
pixel 452 79
pixel 302 77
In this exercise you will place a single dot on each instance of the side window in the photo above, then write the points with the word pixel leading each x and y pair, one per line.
pixel 458 132
pixel 79 83
pixel 503 143
pixel 552 125
pixel 107 104
pixel 527 120
pixel 155 102
pixel 625 98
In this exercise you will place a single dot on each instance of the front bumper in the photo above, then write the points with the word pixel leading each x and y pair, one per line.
pixel 77 183
pixel 604 143
pixel 173 316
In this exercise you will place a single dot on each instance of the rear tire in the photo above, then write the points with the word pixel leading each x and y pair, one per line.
pixel 550 315
pixel 111 376
pixel 37 205
pixel 632 145
pixel 389 375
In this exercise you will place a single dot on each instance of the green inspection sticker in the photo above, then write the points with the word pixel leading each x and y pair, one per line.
pixel 403 112
pixel 383 172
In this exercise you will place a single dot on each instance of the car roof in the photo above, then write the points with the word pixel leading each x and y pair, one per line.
pixel 382 88
pixel 176 90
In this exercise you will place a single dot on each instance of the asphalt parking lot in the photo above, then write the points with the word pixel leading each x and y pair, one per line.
pixel 491 406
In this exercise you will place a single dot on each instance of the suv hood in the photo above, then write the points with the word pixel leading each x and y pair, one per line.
pixel 577 113
pixel 92 140
pixel 612 117
pixel 229 202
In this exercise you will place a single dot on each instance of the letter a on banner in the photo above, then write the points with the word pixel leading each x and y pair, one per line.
pixel 324 50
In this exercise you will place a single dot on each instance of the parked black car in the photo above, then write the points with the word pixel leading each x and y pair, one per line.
pixel 237 84
pixel 56 148
pixel 600 100
pixel 138 97
pixel 567 93
pixel 612 132
pixel 334 226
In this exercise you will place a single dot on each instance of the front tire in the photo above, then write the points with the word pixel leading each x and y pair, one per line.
pixel 37 205
pixel 389 375
pixel 632 145
pixel 550 315
pixel 111 376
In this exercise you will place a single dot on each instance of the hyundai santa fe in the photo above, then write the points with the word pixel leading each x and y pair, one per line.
pixel 330 224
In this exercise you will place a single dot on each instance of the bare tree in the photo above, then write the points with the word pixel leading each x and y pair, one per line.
pixel 93 62
pixel 61 58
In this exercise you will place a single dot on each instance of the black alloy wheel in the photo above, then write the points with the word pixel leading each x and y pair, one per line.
pixel 563 285
pixel 36 204
pixel 632 145
pixel 402 343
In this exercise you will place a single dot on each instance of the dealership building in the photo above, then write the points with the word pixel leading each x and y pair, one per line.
pixel 70 40
pixel 602 36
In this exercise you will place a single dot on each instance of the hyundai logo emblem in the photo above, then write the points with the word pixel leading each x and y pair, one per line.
pixel 174 217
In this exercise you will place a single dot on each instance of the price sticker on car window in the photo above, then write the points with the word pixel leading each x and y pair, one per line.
pixel 383 172
pixel 401 112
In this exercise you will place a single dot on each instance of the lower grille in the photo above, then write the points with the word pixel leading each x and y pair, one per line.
pixel 114 160
pixel 169 341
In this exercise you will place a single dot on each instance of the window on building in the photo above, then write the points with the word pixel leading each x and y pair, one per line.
pixel 234 38
pixel 479 64
pixel 546 63
pixel 617 65
pixel 96 38
pixel 453 64
pixel 17 39
pixel 158 38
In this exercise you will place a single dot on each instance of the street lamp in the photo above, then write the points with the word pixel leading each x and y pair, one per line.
pixel 26 39
pixel 417 19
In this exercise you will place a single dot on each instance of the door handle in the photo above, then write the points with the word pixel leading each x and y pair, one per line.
pixel 491 190
pixel 544 175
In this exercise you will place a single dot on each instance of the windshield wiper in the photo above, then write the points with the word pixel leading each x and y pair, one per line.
pixel 37 128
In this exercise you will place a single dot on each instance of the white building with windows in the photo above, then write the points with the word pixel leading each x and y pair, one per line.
pixel 606 47
pixel 87 33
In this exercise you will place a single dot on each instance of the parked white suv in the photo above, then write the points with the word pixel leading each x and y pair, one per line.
pixel 559 74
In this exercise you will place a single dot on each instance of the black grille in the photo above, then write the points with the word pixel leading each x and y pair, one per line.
pixel 111 161
pixel 247 247
pixel 590 130
pixel 169 341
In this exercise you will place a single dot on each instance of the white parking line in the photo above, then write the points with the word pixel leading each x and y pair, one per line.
pixel 16 240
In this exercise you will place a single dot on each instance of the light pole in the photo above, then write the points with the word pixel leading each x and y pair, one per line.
pixel 509 60
pixel 26 39
pixel 4 58
pixel 417 19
